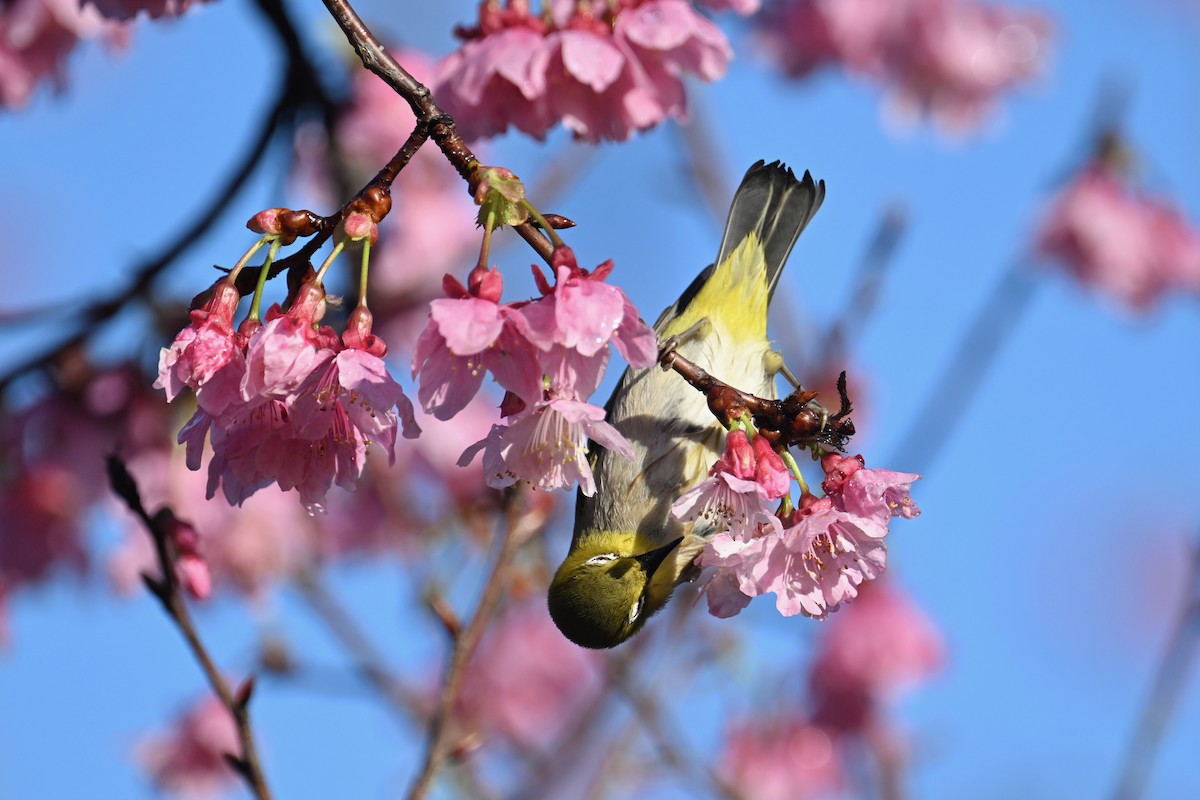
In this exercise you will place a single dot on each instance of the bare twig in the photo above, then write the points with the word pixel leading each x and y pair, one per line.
pixel 438 742
pixel 438 124
pixel 166 589
pixel 669 742
pixel 952 394
pixel 1165 691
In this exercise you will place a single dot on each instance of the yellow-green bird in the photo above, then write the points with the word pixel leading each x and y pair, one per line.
pixel 628 553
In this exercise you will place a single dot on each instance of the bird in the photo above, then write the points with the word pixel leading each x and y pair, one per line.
pixel 628 553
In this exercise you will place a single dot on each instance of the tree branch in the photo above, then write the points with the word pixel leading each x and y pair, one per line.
pixel 166 589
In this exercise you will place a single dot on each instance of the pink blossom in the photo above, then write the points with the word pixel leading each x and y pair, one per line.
pixel 584 313
pixel 877 646
pixel 732 499
pixel 957 55
pixel 208 355
pixel 947 58
pixel 470 333
pixel 526 682
pixel 36 38
pixel 820 554
pixel 743 7
pixel 245 549
pixel 308 407
pixel 784 757
pixel 604 71
pixel 491 82
pixel 289 348
pixel 1130 245
pixel 546 445
pixel 189 759
pixel 128 9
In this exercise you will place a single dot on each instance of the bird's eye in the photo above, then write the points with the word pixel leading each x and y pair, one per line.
pixel 636 611
pixel 603 558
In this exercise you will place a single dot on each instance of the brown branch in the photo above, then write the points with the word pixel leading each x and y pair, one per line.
pixel 438 125
pixel 438 742
pixel 795 420
pixel 166 589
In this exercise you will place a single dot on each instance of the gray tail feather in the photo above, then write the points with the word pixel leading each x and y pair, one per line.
pixel 773 204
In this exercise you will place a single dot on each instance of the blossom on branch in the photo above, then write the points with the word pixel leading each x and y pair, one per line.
pixel 872 650
pixel 813 557
pixel 548 353
pixel 1126 243
pixel 783 757
pixel 37 37
pixel 189 759
pixel 604 70
pixel 949 59
pixel 306 406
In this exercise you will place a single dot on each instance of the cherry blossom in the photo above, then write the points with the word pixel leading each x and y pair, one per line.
pixel 735 496
pixel 207 356
pixel 307 405
pixel 876 647
pixel 782 757
pixel 815 557
pixel 1130 245
pixel 526 682
pixel 36 38
pixel 128 9
pixel 949 59
pixel 189 759
pixel 604 70
pixel 547 445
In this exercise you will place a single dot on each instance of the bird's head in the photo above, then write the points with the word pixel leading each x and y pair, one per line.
pixel 604 591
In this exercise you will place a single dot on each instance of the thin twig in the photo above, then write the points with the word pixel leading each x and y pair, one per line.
pixel 438 742
pixel 964 374
pixel 166 589
pixel 1165 691
pixel 669 742
pixel 439 125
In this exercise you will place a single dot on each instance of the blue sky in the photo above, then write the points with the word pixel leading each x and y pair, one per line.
pixel 1056 520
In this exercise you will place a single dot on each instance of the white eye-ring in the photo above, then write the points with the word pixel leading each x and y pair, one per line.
pixel 636 611
pixel 603 558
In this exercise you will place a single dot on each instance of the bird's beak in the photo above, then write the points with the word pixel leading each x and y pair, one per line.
pixel 650 561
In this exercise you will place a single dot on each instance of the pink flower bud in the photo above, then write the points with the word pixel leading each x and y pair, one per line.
pixel 267 221
pixel 358 226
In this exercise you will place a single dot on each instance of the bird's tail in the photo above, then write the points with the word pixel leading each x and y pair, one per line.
pixel 776 207
pixel 769 211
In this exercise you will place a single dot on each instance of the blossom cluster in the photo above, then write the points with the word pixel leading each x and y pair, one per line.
pixel 1127 243
pixel 548 354
pixel 878 646
pixel 947 58
pixel 285 402
pixel 603 69
pixel 814 556
pixel 38 36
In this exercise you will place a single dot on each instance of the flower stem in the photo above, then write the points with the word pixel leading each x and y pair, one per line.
pixel 363 270
pixel 233 273
pixel 485 248
pixel 325 265
pixel 265 269
pixel 555 239
pixel 794 468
